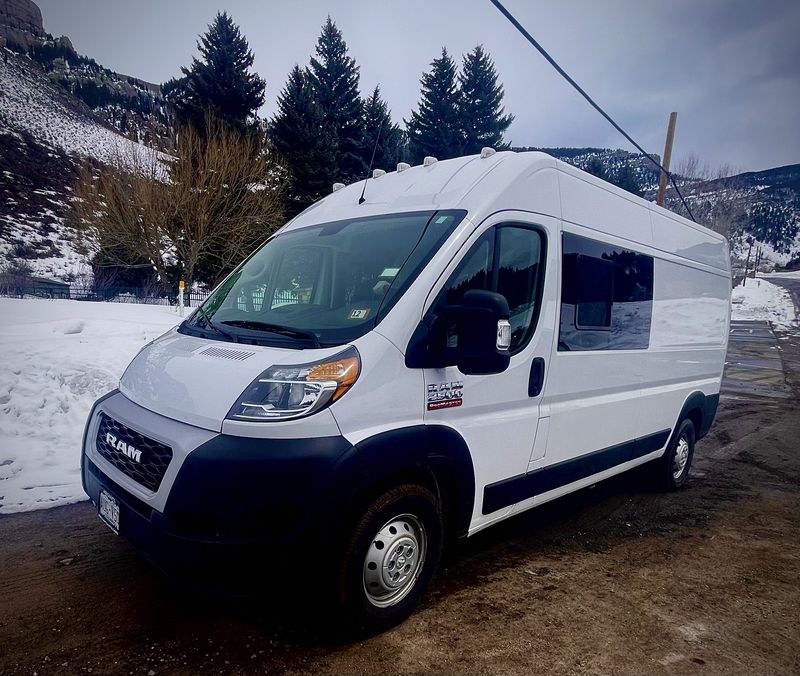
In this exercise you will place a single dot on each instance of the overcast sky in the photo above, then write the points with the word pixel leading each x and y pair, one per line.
pixel 731 68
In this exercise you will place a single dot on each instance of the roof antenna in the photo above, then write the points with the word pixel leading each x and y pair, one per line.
pixel 361 199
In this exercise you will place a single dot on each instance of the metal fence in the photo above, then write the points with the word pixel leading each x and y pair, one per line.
pixel 114 294
pixel 252 300
pixel 191 297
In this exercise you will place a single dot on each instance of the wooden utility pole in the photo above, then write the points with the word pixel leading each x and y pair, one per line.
pixel 747 262
pixel 662 182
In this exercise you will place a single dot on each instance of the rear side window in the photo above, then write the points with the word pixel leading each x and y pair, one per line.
pixel 508 259
pixel 606 296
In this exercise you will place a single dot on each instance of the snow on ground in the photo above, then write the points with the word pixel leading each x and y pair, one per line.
pixel 789 275
pixel 761 300
pixel 58 357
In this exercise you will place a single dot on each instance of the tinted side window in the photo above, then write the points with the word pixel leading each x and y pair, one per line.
pixel 606 296
pixel 473 272
pixel 518 278
pixel 507 260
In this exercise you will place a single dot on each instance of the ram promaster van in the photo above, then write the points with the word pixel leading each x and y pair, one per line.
pixel 471 339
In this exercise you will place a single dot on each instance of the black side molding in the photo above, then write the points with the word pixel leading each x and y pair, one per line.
pixel 516 489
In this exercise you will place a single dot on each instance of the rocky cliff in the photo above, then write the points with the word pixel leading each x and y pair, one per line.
pixel 21 23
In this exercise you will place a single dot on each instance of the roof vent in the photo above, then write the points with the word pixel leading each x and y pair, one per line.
pixel 402 166
pixel 378 173
pixel 338 186
pixel 487 152
pixel 429 161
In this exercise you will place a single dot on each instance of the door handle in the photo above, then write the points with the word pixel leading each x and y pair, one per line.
pixel 536 380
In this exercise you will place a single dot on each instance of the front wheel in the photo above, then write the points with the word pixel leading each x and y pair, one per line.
pixel 389 558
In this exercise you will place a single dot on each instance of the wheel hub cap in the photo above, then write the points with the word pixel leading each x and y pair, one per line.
pixel 681 457
pixel 394 560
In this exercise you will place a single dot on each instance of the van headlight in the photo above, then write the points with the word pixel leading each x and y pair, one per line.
pixel 286 392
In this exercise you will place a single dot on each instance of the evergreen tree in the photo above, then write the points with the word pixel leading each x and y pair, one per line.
pixel 596 167
pixel 625 178
pixel 220 80
pixel 377 118
pixel 480 104
pixel 299 133
pixel 434 129
pixel 334 77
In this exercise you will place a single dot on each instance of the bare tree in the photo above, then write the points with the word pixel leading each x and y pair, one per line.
pixel 209 205
pixel 714 195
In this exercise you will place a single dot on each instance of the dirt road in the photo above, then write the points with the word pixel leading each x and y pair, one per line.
pixel 613 579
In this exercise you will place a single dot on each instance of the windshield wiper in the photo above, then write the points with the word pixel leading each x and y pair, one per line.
pixel 287 331
pixel 214 327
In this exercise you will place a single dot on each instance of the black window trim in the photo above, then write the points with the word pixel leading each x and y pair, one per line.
pixel 494 272
pixel 629 246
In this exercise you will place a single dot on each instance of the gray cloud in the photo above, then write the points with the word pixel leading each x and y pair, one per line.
pixel 731 68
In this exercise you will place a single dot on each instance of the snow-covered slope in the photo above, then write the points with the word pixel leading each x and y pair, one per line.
pixel 45 136
pixel 31 103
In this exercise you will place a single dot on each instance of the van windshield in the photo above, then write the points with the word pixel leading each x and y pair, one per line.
pixel 325 284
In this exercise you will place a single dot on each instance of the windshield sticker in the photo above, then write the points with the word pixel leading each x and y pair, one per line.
pixel 390 272
pixel 445 395
pixel 358 313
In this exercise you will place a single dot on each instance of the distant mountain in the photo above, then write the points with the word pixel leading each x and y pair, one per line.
pixel 764 205
pixel 129 105
pixel 612 162
pixel 46 133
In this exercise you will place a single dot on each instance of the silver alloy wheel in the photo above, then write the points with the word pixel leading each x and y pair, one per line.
pixel 394 560
pixel 680 458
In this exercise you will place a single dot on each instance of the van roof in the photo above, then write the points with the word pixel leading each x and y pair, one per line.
pixel 505 180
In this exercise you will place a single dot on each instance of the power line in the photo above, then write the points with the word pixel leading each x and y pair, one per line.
pixel 580 90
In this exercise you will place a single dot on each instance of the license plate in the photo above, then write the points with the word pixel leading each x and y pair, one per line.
pixel 108 509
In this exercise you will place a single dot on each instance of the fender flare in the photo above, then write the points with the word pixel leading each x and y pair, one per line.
pixel 706 407
pixel 437 450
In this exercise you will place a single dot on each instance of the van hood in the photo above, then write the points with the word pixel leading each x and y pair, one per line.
pixel 196 380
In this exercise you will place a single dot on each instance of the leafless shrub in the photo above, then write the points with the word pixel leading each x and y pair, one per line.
pixel 210 204
pixel 713 195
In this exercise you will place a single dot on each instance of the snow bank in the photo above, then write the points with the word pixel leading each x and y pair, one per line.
pixel 786 275
pixel 761 300
pixel 58 357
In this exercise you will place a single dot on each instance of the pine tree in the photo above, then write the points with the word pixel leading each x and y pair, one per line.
pixel 434 128
pixel 625 178
pixel 480 104
pixel 596 167
pixel 334 77
pixel 220 81
pixel 300 134
pixel 377 118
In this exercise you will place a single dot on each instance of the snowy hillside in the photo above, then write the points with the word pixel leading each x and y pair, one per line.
pixel 45 135
pixel 31 103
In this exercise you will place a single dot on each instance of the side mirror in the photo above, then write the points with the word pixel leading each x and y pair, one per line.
pixel 477 333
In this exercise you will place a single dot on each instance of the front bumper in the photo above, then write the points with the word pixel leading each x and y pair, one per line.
pixel 228 509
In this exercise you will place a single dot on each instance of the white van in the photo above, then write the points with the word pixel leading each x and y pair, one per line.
pixel 475 337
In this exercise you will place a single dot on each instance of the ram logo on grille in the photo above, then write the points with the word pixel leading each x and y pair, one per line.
pixel 139 457
pixel 123 447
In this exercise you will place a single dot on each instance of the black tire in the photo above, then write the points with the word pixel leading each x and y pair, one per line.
pixel 416 507
pixel 666 468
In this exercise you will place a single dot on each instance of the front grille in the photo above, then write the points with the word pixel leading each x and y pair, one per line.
pixel 142 459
